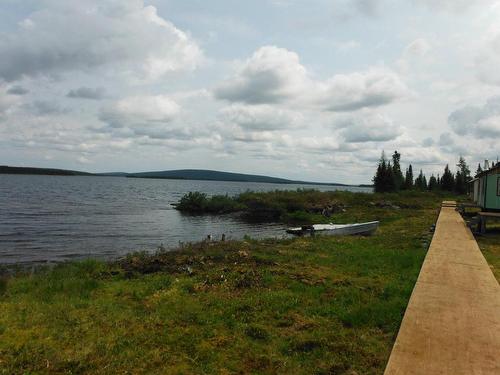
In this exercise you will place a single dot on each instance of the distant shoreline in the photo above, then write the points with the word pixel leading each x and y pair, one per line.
pixel 183 174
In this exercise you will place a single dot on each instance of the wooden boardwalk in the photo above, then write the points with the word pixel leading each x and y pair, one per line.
pixel 452 322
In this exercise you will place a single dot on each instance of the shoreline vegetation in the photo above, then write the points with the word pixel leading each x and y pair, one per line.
pixel 302 206
pixel 305 305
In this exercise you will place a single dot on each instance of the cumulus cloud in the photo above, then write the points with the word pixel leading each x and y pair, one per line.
pixel 275 75
pixel 260 117
pixel 69 35
pixel 87 93
pixel 369 127
pixel 140 110
pixel 373 88
pixel 17 90
pixel 150 120
pixel 271 75
pixel 481 121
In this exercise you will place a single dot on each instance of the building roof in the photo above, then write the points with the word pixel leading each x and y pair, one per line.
pixel 494 169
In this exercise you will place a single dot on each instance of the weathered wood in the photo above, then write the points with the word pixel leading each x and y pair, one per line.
pixel 452 322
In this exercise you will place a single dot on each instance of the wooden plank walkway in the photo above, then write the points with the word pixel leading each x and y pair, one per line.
pixel 452 322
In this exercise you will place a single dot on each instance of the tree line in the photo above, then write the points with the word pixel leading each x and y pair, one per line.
pixel 390 178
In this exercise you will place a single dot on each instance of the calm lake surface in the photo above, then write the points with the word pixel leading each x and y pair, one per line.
pixel 58 218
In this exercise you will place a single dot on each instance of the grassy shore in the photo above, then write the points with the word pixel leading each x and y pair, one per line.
pixel 322 305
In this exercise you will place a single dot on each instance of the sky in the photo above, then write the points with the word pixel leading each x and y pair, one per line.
pixel 311 90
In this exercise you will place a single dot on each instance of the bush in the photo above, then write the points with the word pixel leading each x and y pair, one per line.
pixel 192 202
pixel 198 203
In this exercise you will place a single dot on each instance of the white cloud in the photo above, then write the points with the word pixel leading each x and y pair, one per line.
pixel 489 127
pixel 481 121
pixel 275 75
pixel 140 110
pixel 69 35
pixel 370 127
pixel 419 47
pixel 488 61
pixel 372 88
pixel 271 75
pixel 260 117
pixel 453 5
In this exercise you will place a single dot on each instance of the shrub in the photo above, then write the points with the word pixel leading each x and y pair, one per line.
pixel 192 202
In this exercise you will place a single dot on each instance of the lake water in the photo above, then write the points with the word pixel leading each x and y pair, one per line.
pixel 58 218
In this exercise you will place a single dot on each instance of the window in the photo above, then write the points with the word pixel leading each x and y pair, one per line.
pixel 498 186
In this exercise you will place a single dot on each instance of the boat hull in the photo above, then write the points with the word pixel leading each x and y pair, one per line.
pixel 336 229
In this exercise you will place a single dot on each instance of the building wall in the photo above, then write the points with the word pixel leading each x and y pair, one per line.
pixel 475 191
pixel 493 192
pixel 482 185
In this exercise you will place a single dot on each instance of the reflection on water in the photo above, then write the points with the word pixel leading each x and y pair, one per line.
pixel 56 218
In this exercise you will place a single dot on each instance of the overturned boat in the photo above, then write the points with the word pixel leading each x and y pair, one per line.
pixel 336 229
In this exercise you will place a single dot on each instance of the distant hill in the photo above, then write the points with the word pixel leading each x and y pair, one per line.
pixel 202 174
pixel 41 171
pixel 181 174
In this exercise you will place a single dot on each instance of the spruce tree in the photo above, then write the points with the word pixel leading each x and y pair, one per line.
pixel 421 181
pixel 433 183
pixel 447 180
pixel 384 180
pixel 396 169
pixel 479 169
pixel 408 184
pixel 462 176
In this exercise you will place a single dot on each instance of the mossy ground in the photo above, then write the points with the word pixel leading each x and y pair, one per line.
pixel 322 305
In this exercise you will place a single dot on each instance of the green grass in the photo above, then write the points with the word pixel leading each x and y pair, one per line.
pixel 489 244
pixel 322 305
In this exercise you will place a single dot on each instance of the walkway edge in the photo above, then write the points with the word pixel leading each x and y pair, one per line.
pixel 452 322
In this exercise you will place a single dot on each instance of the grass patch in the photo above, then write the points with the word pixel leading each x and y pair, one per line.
pixel 489 243
pixel 322 305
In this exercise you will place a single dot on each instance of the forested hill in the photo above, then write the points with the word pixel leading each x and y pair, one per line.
pixel 181 174
pixel 41 171
pixel 201 174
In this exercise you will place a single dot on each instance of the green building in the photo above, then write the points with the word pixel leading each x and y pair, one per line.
pixel 486 189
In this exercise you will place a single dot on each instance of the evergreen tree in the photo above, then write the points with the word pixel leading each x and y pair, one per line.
pixel 447 180
pixel 396 169
pixel 384 177
pixel 421 182
pixel 462 176
pixel 433 183
pixel 479 169
pixel 408 183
